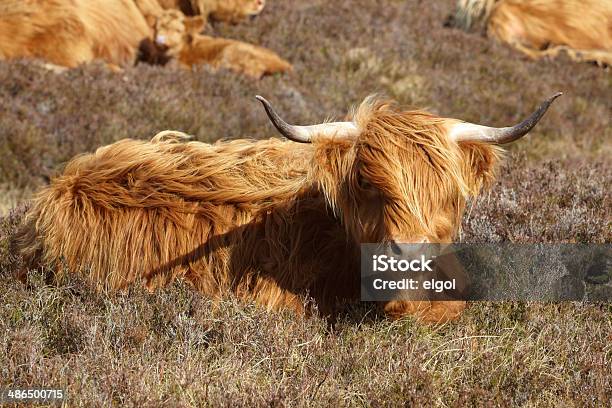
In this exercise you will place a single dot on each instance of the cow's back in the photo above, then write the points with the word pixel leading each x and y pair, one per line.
pixel 71 32
pixel 539 24
pixel 116 28
pixel 41 29
pixel 158 210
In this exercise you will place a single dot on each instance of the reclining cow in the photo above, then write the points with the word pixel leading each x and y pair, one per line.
pixel 67 34
pixel 581 28
pixel 228 11
pixel 272 221
pixel 70 33
pixel 178 37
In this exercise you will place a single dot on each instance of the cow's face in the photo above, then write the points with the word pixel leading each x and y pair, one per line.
pixel 402 176
pixel 234 11
pixel 403 189
pixel 409 180
pixel 173 30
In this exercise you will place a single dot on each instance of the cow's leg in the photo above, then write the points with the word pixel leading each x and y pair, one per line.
pixel 114 68
pixel 239 57
pixel 73 55
pixel 254 287
pixel 600 57
pixel 261 62
pixel 267 292
pixel 252 61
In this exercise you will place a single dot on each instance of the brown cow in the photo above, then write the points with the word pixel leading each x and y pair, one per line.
pixel 538 28
pixel 237 56
pixel 71 32
pixel 273 220
pixel 229 11
pixel 178 37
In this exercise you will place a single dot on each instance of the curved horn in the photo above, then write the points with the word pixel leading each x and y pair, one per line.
pixel 469 132
pixel 304 134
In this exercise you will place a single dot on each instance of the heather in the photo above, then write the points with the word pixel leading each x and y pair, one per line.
pixel 177 348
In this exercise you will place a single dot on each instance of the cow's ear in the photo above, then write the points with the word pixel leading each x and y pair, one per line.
pixel 194 25
pixel 480 162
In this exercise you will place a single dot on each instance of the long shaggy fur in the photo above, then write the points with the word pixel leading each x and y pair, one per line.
pixel 271 221
pixel 582 28
pixel 71 32
pixel 237 56
pixel 178 36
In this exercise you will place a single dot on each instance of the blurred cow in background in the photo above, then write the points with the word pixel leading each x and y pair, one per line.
pixel 228 11
pixel 237 56
pixel 178 37
pixel 538 28
pixel 68 33
pixel 272 221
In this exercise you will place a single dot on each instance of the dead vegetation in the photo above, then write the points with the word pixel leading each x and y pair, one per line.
pixel 176 348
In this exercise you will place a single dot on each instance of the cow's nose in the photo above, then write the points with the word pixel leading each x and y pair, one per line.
pixel 405 246
pixel 395 248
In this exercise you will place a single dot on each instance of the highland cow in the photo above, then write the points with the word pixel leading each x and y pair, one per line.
pixel 539 28
pixel 229 11
pixel 272 221
pixel 251 60
pixel 178 38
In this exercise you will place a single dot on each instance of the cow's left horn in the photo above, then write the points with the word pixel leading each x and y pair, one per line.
pixel 469 132
pixel 304 134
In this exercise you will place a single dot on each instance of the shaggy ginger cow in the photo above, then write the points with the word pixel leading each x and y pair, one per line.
pixel 236 56
pixel 229 11
pixel 71 32
pixel 178 37
pixel 538 28
pixel 273 220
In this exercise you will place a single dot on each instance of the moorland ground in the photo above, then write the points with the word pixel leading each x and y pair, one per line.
pixel 176 348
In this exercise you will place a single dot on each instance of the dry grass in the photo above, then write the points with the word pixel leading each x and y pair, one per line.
pixel 176 348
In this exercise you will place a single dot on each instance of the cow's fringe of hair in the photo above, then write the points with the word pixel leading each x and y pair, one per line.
pixel 424 169
pixel 255 217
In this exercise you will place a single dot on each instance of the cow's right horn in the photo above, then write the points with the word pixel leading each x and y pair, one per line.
pixel 304 134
